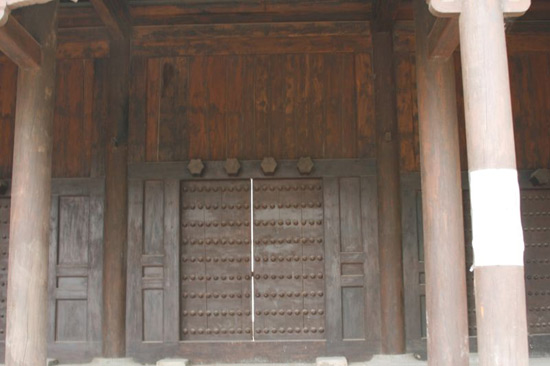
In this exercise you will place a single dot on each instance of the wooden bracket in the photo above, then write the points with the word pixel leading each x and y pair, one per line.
pixel 19 45
pixel 446 8
pixel 443 38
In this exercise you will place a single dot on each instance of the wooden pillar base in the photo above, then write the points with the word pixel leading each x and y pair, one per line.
pixel 501 319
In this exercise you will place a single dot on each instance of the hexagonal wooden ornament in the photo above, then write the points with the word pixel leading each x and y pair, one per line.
pixel 269 166
pixel 232 167
pixel 196 167
pixel 305 165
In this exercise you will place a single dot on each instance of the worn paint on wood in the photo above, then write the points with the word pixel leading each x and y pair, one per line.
pixel 249 107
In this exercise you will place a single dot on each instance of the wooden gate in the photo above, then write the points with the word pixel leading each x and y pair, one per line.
pixel 280 269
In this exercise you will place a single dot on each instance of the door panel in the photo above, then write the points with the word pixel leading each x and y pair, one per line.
pixel 215 261
pixel 289 259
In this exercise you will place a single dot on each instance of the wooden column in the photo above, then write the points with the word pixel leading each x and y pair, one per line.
pixel 494 191
pixel 116 205
pixel 27 300
pixel 389 197
pixel 442 217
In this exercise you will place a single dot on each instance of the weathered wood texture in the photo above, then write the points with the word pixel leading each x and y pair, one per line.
pixel 8 75
pixel 163 91
pixel 19 45
pixel 114 14
pixel 443 227
pixel 246 39
pixel 249 107
pixel 191 11
pixel 74 271
pixel 79 124
pixel 167 244
pixel 79 120
pixel 27 316
pixel 389 198
pixel 534 201
pixel 116 204
pixel 529 79
pixel 490 146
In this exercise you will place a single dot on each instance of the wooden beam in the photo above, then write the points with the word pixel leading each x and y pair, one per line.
pixel 19 45
pixel 27 315
pixel 210 12
pixel 442 217
pixel 116 17
pixel 385 13
pixel 443 38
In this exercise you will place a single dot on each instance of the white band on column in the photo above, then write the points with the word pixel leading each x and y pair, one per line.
pixel 496 218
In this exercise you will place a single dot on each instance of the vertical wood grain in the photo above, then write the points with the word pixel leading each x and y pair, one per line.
pixel 138 110
pixel 262 97
pixel 153 107
pixel 364 89
pixel 198 132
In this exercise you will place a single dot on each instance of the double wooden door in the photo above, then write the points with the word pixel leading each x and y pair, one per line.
pixel 273 269
pixel 252 263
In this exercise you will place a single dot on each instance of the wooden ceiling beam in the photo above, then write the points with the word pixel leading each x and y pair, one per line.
pixel 443 38
pixel 116 17
pixel 385 14
pixel 19 45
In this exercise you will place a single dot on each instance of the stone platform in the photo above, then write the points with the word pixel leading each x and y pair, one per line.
pixel 379 360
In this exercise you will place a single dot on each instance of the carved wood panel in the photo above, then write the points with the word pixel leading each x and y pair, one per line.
pixel 75 266
pixel 215 268
pixel 289 259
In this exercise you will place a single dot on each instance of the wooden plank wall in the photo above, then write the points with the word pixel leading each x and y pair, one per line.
pixel 216 105
pixel 530 84
pixel 79 118
pixel 252 106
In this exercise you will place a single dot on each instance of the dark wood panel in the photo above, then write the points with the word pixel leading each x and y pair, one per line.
pixel 215 268
pixel 250 107
pixel 5 205
pixel 529 79
pixel 83 43
pixel 75 255
pixel 8 75
pixel 78 121
pixel 289 284
pixel 251 46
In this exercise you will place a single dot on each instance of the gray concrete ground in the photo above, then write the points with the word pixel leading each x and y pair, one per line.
pixel 379 360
